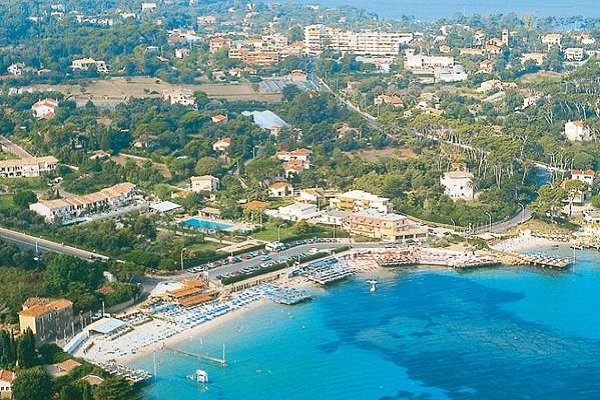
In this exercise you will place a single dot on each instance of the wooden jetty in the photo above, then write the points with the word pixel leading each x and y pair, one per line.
pixel 203 357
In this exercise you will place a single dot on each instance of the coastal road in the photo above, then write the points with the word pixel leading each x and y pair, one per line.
pixel 13 148
pixel 44 245
pixel 503 226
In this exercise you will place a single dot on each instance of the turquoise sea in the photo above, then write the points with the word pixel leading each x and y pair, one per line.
pixel 504 333
pixel 435 9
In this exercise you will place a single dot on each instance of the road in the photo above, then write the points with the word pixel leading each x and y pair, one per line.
pixel 44 245
pixel 13 148
pixel 498 227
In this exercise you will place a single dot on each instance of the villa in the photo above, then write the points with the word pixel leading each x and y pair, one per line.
pixel 84 64
pixel 281 189
pixel 182 97
pixel 577 131
pixel 6 380
pixel 458 185
pixel 294 212
pixel 45 109
pixel 222 145
pixel 204 183
pixel 48 319
pixel 586 176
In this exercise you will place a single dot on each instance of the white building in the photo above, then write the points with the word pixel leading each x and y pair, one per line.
pixel 552 39
pixel 574 54
pixel 458 185
pixel 456 73
pixel 586 176
pixel 6 380
pixel 60 209
pixel 84 64
pixel 359 200
pixel 16 68
pixel 577 131
pixel 312 195
pixel 149 6
pixel 334 217
pixel 281 189
pixel 27 167
pixel 294 212
pixel 295 155
pixel 420 62
pixel 45 108
pixel 182 53
pixel 204 183
pixel 184 97
pixel 319 37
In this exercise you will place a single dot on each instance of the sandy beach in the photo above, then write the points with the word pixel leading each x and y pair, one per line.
pixel 194 333
pixel 523 244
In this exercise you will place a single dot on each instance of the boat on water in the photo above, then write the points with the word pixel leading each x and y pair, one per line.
pixel 199 375
pixel 373 284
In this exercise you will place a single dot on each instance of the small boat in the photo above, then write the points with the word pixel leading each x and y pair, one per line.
pixel 373 284
pixel 576 247
pixel 199 376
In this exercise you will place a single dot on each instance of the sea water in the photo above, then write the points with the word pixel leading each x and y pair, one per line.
pixel 502 333
pixel 435 9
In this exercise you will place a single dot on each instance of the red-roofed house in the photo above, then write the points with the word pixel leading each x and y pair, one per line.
pixel 45 108
pixel 586 176
pixel 299 154
pixel 281 189
pixel 6 381
pixel 222 145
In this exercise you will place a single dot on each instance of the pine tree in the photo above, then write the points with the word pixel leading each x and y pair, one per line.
pixel 26 355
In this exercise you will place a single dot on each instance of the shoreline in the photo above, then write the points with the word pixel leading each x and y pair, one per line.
pixel 522 244
pixel 514 244
pixel 193 333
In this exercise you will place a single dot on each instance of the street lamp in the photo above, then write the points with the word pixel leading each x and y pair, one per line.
pixel 181 257
pixel 453 224
pixel 490 225
pixel 278 232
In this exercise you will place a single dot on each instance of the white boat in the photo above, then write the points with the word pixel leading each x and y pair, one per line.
pixel 199 376
pixel 373 284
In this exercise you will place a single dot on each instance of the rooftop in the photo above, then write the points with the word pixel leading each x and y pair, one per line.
pixel 458 175
pixel 266 119
pixel 6 376
pixel 377 215
pixel 105 325
pixel 165 206
pixel 42 309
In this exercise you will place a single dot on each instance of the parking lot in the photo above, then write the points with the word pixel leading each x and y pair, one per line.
pixel 253 261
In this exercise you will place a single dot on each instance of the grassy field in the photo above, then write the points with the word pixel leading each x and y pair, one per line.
pixel 4 155
pixel 6 201
pixel 373 155
pixel 121 89
pixel 122 159
pixel 269 234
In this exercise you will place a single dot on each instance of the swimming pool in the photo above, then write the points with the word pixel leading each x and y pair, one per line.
pixel 207 224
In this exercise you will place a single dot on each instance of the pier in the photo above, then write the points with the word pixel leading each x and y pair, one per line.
pixel 203 357
pixel 132 375
pixel 544 261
